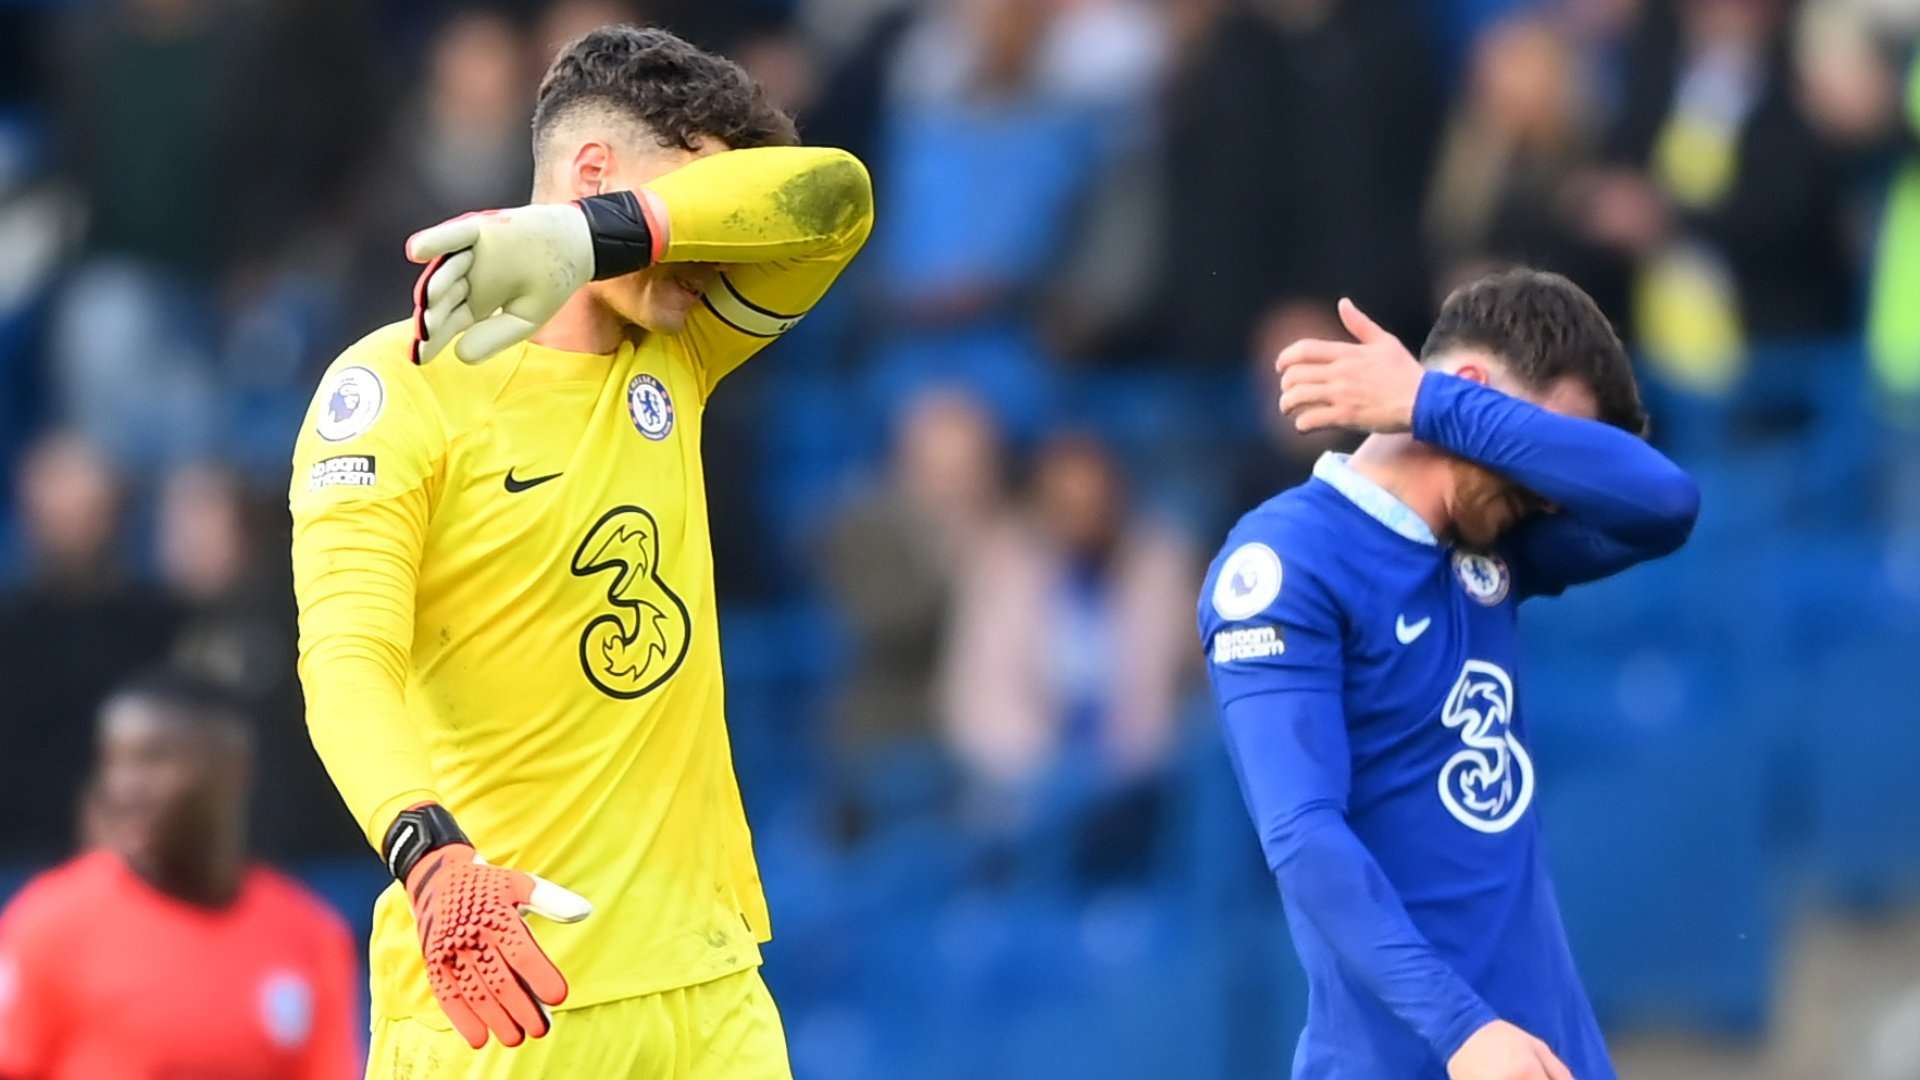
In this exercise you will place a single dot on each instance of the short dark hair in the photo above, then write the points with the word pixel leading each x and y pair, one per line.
pixel 677 90
pixel 1544 328
pixel 195 697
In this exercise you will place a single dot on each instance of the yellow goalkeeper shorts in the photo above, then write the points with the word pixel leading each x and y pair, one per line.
pixel 727 1029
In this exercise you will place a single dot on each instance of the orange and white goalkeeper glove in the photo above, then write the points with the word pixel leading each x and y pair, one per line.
pixel 483 964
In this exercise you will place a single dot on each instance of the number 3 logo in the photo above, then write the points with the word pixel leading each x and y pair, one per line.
pixel 631 650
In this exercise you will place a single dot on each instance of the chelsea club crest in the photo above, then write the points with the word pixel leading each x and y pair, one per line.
pixel 650 407
pixel 1485 577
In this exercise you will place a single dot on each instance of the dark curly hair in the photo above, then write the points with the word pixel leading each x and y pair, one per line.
pixel 678 91
pixel 1545 328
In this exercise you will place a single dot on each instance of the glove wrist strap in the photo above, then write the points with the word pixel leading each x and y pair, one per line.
pixel 622 239
pixel 415 833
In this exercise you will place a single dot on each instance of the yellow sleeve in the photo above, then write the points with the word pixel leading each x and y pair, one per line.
pixel 782 221
pixel 370 456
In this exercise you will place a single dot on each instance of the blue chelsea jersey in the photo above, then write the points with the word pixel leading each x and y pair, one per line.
pixel 1336 592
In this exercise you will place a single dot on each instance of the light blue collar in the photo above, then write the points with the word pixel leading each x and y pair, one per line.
pixel 1379 503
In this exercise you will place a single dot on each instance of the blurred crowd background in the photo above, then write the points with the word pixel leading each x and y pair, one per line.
pixel 960 514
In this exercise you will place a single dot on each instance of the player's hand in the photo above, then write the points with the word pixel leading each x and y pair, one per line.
pixel 1501 1051
pixel 482 962
pixel 496 276
pixel 1368 384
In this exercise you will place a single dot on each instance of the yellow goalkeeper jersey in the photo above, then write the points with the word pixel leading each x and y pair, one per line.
pixel 506 596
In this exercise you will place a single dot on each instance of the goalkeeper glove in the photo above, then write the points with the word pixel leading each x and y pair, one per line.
pixel 483 964
pixel 498 275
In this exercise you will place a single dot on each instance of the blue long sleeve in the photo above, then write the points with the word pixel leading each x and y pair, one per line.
pixel 1620 501
pixel 1289 750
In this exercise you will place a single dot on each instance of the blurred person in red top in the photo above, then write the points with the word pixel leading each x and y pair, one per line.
pixel 162 952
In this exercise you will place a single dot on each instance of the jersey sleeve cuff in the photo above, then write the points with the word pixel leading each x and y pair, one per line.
pixel 1430 402
pixel 622 233
pixel 1469 1015
pixel 375 824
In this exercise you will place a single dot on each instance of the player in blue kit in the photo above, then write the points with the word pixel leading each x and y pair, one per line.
pixel 1363 650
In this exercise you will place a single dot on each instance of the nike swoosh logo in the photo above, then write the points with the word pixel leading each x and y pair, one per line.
pixel 1408 634
pixel 515 487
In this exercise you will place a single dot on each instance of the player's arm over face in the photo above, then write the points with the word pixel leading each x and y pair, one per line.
pixel 1619 501
pixel 366 468
pixel 1273 637
pixel 782 222
pixel 779 224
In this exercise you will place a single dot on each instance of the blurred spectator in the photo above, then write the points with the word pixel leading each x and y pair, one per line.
pixel 715 26
pixel 461 145
pixel 1517 146
pixel 836 27
pixel 142 125
pixel 780 61
pixel 1063 649
pixel 1736 205
pixel 892 563
pixel 36 219
pixel 77 619
pixel 1279 457
pixel 1862 79
pixel 165 105
pixel 309 78
pixel 857 47
pixel 164 952
pixel 1100 302
pixel 1300 138
pixel 992 134
pixel 131 356
pixel 143 111
pixel 239 630
pixel 565 20
pixel 1893 1044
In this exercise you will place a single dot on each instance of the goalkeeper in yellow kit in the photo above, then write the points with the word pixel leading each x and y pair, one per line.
pixel 508 633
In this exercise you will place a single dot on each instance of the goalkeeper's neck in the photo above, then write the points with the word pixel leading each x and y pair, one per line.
pixel 584 324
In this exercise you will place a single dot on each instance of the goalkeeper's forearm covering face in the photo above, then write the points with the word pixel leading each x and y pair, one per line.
pixel 496 277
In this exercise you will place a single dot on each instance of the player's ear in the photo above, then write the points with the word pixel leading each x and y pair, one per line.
pixel 1474 371
pixel 590 170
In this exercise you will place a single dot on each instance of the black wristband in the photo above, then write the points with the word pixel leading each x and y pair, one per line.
pixel 416 832
pixel 622 239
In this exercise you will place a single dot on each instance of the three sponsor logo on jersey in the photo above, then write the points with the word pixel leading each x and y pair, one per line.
pixel 639 638
pixel 1488 783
